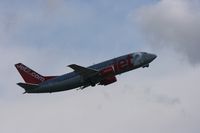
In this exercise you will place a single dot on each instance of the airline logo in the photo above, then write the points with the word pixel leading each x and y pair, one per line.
pixel 27 70
pixel 123 64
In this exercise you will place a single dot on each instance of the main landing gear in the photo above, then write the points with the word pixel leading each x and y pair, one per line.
pixel 147 65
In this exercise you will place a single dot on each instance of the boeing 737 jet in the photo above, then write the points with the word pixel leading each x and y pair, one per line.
pixel 99 74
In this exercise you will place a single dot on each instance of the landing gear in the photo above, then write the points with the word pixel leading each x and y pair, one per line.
pixel 147 65
pixel 92 84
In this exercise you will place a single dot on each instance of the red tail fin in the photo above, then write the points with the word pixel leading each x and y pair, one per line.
pixel 31 76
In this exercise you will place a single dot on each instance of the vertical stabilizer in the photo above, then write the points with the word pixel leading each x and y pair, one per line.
pixel 31 76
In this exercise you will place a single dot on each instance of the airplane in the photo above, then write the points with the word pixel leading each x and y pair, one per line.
pixel 99 74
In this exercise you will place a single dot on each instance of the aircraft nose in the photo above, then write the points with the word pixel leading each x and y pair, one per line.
pixel 152 57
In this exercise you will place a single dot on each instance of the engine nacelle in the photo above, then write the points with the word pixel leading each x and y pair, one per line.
pixel 107 72
pixel 108 81
pixel 108 76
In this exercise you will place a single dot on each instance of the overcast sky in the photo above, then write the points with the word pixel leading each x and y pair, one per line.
pixel 48 35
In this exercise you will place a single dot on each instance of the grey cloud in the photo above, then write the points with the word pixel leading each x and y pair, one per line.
pixel 152 96
pixel 172 23
pixel 108 109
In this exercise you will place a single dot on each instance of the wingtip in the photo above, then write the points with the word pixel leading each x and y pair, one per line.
pixel 70 65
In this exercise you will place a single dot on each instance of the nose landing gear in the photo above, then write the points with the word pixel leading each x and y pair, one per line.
pixel 147 65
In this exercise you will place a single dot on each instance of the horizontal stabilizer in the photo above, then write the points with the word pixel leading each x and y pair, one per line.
pixel 28 87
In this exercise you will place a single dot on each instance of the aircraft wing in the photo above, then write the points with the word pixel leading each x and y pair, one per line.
pixel 83 71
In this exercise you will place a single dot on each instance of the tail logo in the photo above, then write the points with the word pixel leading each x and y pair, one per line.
pixel 30 72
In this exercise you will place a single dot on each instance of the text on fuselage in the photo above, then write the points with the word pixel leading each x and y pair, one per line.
pixel 123 64
pixel 30 72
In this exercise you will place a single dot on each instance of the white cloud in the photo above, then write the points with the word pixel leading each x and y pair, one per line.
pixel 172 23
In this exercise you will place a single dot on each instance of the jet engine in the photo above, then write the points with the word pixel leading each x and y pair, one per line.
pixel 108 76
pixel 108 80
